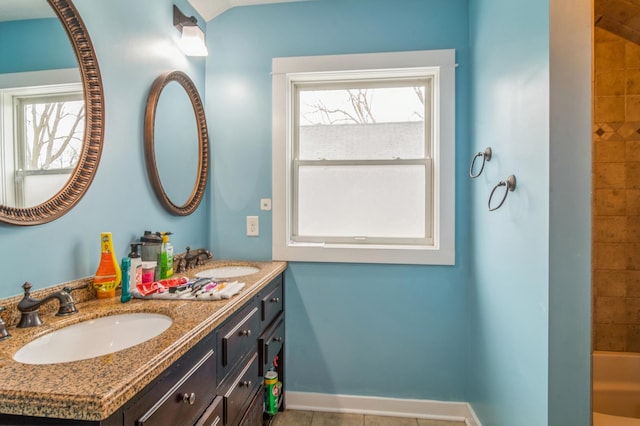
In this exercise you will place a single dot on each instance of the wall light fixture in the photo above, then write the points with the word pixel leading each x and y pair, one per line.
pixel 192 41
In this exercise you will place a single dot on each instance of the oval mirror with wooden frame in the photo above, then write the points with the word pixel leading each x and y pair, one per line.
pixel 176 143
pixel 15 205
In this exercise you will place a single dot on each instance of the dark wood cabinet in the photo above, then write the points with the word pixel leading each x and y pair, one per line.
pixel 218 382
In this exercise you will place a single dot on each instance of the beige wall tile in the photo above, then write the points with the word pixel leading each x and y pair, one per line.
pixel 615 82
pixel 610 55
pixel 609 151
pixel 609 82
pixel 610 283
pixel 633 229
pixel 632 112
pixel 632 341
pixel 632 202
pixel 601 35
pixel 609 108
pixel 612 175
pixel 610 229
pixel 610 256
pixel 611 337
pixel 632 55
pixel 611 310
pixel 632 149
pixel 632 282
pixel 632 172
pixel 633 256
pixel 632 307
pixel 614 201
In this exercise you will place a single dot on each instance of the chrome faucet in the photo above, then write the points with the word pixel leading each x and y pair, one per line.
pixel 29 306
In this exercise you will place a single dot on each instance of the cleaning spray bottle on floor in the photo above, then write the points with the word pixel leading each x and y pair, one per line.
pixel 108 275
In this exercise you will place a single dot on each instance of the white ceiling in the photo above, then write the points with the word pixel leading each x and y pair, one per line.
pixel 15 10
pixel 209 9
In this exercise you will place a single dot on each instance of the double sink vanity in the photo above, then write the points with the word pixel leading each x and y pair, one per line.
pixel 205 368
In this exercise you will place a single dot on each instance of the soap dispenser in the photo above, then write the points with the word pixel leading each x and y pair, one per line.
pixel 166 257
pixel 108 275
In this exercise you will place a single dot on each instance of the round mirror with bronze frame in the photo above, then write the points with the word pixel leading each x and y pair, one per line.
pixel 150 142
pixel 85 169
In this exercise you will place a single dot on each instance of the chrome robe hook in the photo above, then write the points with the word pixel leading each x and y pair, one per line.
pixel 510 185
pixel 486 156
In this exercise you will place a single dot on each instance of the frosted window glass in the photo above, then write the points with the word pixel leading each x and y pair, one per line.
pixel 362 201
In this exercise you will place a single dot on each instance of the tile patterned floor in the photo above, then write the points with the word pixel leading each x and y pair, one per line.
pixel 314 418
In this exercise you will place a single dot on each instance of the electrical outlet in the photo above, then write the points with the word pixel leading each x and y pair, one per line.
pixel 253 226
pixel 265 204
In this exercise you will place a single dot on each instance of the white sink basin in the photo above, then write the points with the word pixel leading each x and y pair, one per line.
pixel 228 272
pixel 93 338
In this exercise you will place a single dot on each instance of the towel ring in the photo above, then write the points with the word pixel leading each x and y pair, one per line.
pixel 486 156
pixel 510 184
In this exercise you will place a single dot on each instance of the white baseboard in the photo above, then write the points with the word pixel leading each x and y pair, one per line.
pixel 396 407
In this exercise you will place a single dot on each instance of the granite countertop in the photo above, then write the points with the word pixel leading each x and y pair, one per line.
pixel 95 388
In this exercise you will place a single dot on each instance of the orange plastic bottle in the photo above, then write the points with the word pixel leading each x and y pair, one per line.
pixel 109 274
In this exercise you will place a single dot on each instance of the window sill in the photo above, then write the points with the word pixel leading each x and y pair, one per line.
pixel 361 253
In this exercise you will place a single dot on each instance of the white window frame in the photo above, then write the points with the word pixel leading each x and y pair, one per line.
pixel 25 84
pixel 285 72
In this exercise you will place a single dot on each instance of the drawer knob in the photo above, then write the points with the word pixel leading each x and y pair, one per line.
pixel 245 333
pixel 278 339
pixel 246 383
pixel 275 300
pixel 189 398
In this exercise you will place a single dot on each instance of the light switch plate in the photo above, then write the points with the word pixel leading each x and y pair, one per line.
pixel 253 226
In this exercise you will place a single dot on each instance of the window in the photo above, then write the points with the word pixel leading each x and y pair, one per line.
pixel 363 158
pixel 44 143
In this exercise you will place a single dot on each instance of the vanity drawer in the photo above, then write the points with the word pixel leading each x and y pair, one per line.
pixel 237 339
pixel 214 415
pixel 188 394
pixel 254 414
pixel 270 345
pixel 238 396
pixel 272 303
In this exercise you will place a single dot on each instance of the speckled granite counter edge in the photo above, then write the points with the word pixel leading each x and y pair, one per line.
pixel 94 389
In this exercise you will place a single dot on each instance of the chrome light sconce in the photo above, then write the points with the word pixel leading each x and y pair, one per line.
pixel 192 40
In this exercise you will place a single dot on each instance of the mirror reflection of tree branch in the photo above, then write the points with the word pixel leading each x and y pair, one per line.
pixel 54 132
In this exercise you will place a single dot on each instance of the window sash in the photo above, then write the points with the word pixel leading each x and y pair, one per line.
pixel 427 208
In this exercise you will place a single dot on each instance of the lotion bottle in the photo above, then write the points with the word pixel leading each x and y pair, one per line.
pixel 135 277
pixel 108 275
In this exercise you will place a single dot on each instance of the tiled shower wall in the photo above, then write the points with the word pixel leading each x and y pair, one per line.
pixel 616 196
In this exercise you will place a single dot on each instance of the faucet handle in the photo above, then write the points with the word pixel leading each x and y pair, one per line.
pixel 27 289
pixel 4 334
pixel 70 289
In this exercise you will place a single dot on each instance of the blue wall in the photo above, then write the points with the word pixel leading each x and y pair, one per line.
pixel 394 331
pixel 509 293
pixel 41 44
pixel 134 42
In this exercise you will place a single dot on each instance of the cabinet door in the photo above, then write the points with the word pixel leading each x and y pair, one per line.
pixel 270 344
pixel 238 338
pixel 238 397
pixel 253 416
pixel 214 415
pixel 185 400
pixel 271 303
